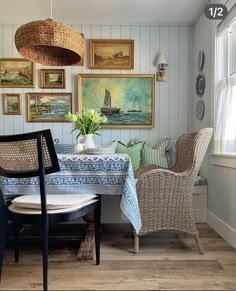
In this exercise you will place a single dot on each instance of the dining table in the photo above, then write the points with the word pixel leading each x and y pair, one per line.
pixel 102 174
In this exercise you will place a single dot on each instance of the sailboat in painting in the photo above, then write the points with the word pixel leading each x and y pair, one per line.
pixel 107 108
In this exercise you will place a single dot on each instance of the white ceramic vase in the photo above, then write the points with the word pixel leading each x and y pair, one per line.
pixel 88 141
pixel 79 148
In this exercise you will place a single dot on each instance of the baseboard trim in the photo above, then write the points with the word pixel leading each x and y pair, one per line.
pixel 226 231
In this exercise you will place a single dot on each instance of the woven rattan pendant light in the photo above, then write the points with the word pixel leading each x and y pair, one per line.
pixel 49 42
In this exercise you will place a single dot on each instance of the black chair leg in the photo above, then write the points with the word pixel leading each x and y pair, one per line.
pixel 3 232
pixel 45 254
pixel 16 241
pixel 97 223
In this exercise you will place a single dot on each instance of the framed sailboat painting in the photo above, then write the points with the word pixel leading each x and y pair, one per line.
pixel 127 100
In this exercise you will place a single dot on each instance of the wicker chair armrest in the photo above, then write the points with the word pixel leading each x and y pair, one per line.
pixel 145 168
pixel 162 180
pixel 163 172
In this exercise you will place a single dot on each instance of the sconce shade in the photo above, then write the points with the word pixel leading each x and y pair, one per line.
pixel 49 42
pixel 161 63
pixel 161 60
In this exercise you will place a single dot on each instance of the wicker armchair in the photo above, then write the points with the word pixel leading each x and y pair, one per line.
pixel 165 195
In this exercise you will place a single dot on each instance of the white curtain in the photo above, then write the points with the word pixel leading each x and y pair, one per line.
pixel 225 133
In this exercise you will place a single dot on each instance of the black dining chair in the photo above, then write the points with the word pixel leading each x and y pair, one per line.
pixel 33 155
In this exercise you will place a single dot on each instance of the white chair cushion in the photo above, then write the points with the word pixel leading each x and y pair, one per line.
pixel 54 201
pixel 22 210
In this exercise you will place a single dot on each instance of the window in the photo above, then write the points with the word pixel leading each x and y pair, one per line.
pixel 225 123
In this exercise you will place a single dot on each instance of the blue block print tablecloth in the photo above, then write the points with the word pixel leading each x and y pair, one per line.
pixel 110 174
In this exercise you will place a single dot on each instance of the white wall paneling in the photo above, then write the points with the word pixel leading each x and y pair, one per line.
pixel 154 50
pixel 164 47
pixel 183 79
pixel 175 61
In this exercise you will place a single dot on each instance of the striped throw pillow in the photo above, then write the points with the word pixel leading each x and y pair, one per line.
pixel 158 154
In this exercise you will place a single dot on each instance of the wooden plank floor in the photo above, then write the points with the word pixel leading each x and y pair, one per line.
pixel 167 261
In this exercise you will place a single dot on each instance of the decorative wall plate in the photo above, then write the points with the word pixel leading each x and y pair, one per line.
pixel 200 61
pixel 200 85
pixel 200 109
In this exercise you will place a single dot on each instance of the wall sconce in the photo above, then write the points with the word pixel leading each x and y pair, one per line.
pixel 161 63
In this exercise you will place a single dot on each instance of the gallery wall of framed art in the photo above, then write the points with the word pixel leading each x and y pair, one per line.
pixel 170 98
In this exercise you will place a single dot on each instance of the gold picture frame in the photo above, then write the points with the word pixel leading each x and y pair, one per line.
pixel 48 107
pixel 111 54
pixel 52 78
pixel 127 100
pixel 12 104
pixel 16 73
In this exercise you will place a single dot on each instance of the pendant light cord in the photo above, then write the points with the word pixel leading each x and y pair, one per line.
pixel 51 9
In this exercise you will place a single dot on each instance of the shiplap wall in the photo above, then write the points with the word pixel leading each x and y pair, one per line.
pixel 171 97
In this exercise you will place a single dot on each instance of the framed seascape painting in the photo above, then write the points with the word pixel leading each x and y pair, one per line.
pixel 111 54
pixel 52 78
pixel 48 107
pixel 12 104
pixel 16 73
pixel 127 100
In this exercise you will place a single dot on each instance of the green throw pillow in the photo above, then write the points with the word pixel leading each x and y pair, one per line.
pixel 158 154
pixel 134 152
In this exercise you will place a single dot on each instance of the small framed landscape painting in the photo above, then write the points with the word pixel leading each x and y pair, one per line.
pixel 48 107
pixel 111 54
pixel 12 104
pixel 52 78
pixel 127 100
pixel 16 73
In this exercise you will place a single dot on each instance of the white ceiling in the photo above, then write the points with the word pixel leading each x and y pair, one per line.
pixel 102 11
